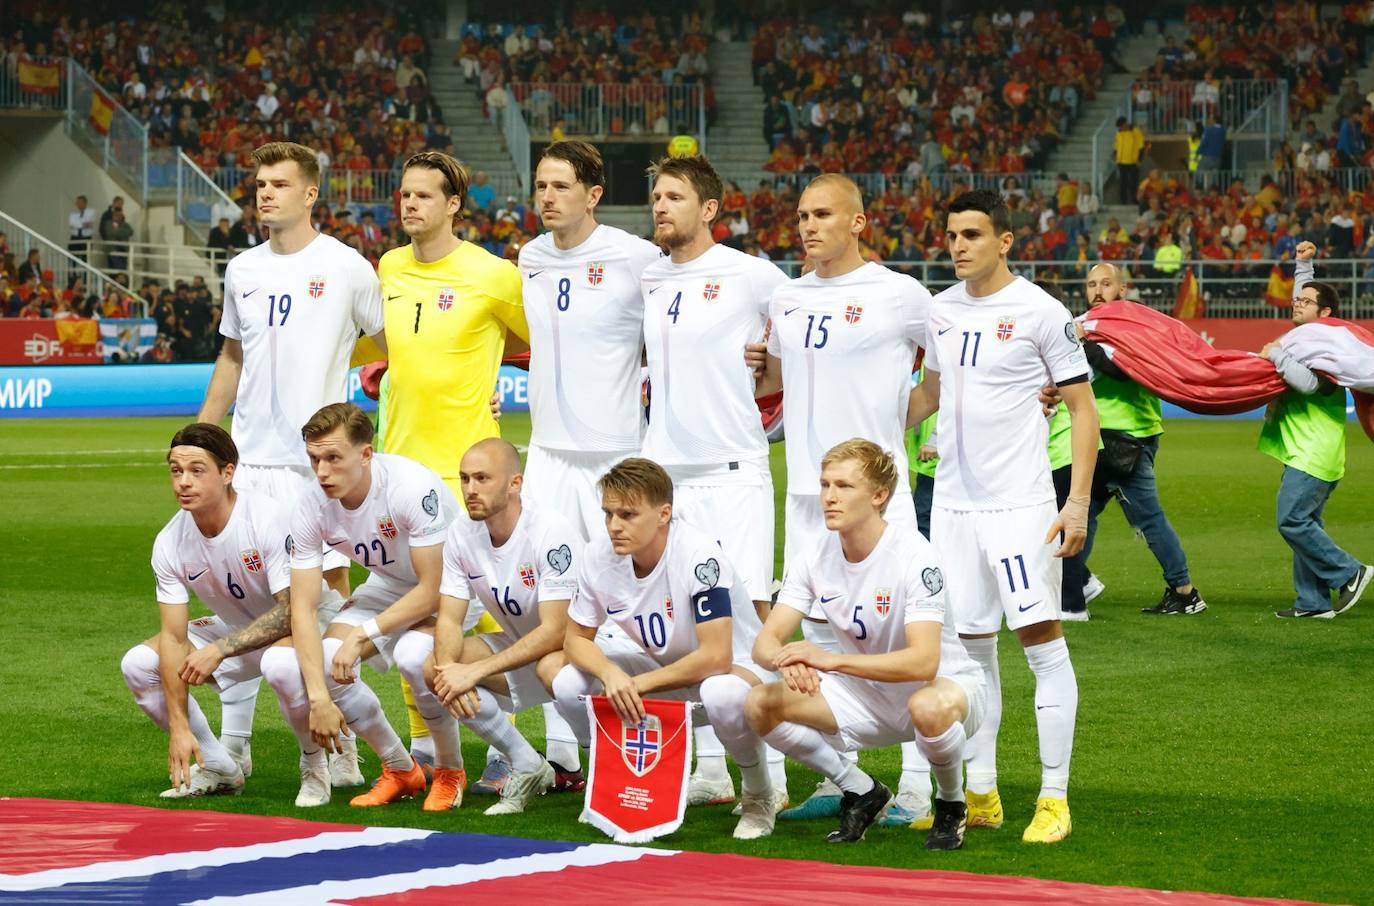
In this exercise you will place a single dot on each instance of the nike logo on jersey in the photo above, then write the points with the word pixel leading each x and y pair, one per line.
pixel 1028 606
pixel 610 612
pixel 533 274
pixel 249 293
pixel 941 333
pixel 827 600
pixel 478 576
pixel 331 542
pixel 654 290
pixel 789 311
pixel 191 578
pixel 393 298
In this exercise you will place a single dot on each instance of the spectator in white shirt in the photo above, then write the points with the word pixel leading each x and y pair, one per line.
pixel 81 228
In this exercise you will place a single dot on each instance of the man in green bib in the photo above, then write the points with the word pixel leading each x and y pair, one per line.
pixel 1305 430
pixel 1131 423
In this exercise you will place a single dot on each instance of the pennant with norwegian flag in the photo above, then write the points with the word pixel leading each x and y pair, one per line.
pixel 638 774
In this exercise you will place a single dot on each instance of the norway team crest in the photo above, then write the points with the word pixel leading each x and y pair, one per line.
pixel 711 289
pixel 527 577
pixel 1005 328
pixel 668 606
pixel 386 527
pixel 882 601
pixel 316 287
pixel 641 743
pixel 446 297
pixel 853 312
pixel 596 273
pixel 252 560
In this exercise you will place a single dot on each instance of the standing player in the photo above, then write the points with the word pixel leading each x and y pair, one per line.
pixel 586 326
pixel 450 307
pixel 899 671
pixel 995 339
pixel 702 305
pixel 697 648
pixel 232 550
pixel 843 342
pixel 293 308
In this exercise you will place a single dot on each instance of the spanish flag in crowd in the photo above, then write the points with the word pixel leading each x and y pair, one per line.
pixel 102 112
pixel 1279 292
pixel 39 78
pixel 1190 303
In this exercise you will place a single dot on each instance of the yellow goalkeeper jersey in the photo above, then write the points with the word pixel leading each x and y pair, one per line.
pixel 446 324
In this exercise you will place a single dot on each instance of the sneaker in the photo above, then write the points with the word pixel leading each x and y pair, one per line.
pixel 947 830
pixel 1051 822
pixel 984 809
pixel 492 780
pixel 780 802
pixel 1293 612
pixel 858 812
pixel 205 782
pixel 565 781
pixel 1350 592
pixel 1075 616
pixel 345 768
pixel 908 809
pixel 520 786
pixel 315 787
pixel 1093 588
pixel 823 803
pixel 241 750
pixel 757 815
pixel 704 791
pixel 1172 602
pixel 446 789
pixel 394 784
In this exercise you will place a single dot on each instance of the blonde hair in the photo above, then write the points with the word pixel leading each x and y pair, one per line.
pixel 455 176
pixel 876 465
pixel 280 152
pixel 357 426
pixel 637 478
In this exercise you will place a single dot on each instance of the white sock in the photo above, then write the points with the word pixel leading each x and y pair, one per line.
pixel 567 686
pixel 412 650
pixel 283 674
pixel 141 668
pixel 777 768
pixel 1056 711
pixel 422 745
pixel 238 704
pixel 710 752
pixel 915 772
pixel 723 697
pixel 808 746
pixel 494 726
pixel 946 754
pixel 981 751
pixel 363 711
pixel 559 741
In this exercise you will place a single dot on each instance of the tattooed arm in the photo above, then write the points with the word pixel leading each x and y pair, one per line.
pixel 269 628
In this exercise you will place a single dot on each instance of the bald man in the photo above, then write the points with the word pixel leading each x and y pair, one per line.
pixel 519 562
pixel 1132 423
pixel 842 347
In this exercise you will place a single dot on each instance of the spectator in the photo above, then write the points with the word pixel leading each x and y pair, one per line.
pixel 116 204
pixel 1130 145
pixel 31 267
pixel 222 242
pixel 1350 140
pixel 81 223
pixel 118 233
pixel 1168 258
pixel 244 234
pixel 1211 149
pixel 777 123
pixel 481 196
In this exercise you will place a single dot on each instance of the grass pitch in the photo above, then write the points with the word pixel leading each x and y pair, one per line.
pixel 1225 752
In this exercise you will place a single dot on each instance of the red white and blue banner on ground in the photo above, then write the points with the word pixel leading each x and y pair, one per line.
pixel 98 853
pixel 637 785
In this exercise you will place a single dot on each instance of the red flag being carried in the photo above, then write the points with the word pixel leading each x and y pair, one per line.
pixel 1279 291
pixel 637 782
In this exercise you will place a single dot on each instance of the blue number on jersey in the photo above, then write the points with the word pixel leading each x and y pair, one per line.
pixel 278 305
pixel 822 334
pixel 564 293
pixel 674 305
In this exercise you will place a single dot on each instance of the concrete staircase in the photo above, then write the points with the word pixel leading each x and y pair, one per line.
pixel 478 142
pixel 735 144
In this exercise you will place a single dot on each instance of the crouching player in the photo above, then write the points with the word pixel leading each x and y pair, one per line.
pixel 233 550
pixel 388 514
pixel 901 670
pixel 672 591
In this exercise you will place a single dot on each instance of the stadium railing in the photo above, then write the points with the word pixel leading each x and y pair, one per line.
pixel 355 189
pixel 1346 179
pixel 1172 106
pixel 510 119
pixel 1254 140
pixel 1104 143
pixel 99 123
pixel 63 264
pixel 875 184
pixel 162 262
pixel 199 202
pixel 611 110
pixel 1224 292
pixel 35 83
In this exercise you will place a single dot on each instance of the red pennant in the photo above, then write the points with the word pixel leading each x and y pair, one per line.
pixel 637 785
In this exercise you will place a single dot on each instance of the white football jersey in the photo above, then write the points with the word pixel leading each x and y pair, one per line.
pixel 234 573
pixel 848 346
pixel 586 319
pixel 660 611
pixel 407 506
pixel 298 317
pixel 993 354
pixel 537 563
pixel 698 317
pixel 869 604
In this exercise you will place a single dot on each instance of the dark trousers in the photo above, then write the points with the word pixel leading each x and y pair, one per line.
pixel 1075 567
pixel 1128 180
pixel 923 496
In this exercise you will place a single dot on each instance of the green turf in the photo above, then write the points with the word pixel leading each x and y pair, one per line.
pixel 1226 752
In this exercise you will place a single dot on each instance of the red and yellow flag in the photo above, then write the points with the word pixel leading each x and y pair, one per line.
pixel 39 78
pixel 1279 292
pixel 102 112
pixel 1190 303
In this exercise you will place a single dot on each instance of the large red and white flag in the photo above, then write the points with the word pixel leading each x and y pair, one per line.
pixel 1342 352
pixel 637 786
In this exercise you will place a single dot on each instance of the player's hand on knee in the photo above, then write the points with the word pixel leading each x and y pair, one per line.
pixel 801 678
pixel 624 696
pixel 327 726
pixel 182 752
pixel 200 665
pixel 341 667
pixel 465 705
pixel 807 653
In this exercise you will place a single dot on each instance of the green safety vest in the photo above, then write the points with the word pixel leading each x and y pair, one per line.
pixel 1193 156
pixel 1127 406
pixel 1307 432
pixel 918 437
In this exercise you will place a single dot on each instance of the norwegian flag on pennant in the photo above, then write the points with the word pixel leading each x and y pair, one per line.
pixel 1005 328
pixel 252 560
pixel 852 313
pixel 386 527
pixel 711 290
pixel 668 606
pixel 637 775
pixel 596 273
pixel 527 577
pixel 882 601
pixel 316 288
pixel 446 297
